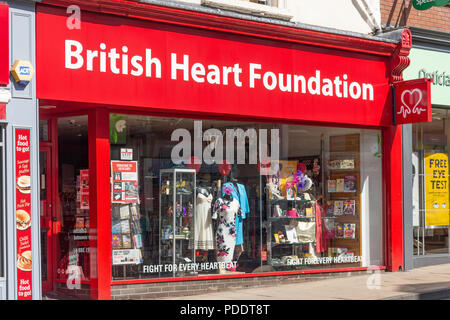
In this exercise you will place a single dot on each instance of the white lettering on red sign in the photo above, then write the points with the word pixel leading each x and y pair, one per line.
pixel 120 63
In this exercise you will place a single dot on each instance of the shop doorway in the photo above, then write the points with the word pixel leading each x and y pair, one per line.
pixel 46 219
pixel 64 211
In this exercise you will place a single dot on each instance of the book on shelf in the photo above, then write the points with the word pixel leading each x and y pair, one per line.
pixel 124 212
pixel 349 230
pixel 137 241
pixel 339 230
pixel 330 208
pixel 126 241
pixel 350 183
pixel 334 164
pixel 340 185
pixel 116 241
pixel 348 164
pixel 349 207
pixel 115 227
pixel 309 212
pixel 125 226
pixel 331 185
pixel 338 208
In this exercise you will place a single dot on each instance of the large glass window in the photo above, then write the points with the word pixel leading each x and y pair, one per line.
pixel 431 219
pixel 203 197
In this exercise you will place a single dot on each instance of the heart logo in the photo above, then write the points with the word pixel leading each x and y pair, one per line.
pixel 414 99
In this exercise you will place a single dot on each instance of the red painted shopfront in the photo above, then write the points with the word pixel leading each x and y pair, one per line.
pixel 120 82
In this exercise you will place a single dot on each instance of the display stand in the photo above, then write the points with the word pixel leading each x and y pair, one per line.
pixel 177 204
pixel 344 166
pixel 276 248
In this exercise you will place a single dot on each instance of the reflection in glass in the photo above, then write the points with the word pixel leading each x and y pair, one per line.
pixel 197 214
pixel 431 213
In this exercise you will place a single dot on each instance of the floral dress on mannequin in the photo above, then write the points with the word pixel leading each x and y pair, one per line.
pixel 225 211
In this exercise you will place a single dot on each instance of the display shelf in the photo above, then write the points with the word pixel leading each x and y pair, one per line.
pixel 293 200
pixel 290 218
pixel 275 250
pixel 290 243
pixel 342 150
pixel 175 214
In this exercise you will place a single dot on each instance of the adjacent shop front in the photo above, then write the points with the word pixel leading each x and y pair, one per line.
pixel 177 152
pixel 426 146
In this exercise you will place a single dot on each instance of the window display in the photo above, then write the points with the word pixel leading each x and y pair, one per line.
pixel 220 197
pixel 431 213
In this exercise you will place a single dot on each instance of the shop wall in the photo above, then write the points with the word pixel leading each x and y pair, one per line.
pixel 349 15
pixel 402 13
pixel 22 112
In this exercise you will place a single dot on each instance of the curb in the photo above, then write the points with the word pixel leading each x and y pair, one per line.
pixel 438 294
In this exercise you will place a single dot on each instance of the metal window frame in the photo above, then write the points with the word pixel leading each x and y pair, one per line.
pixel 2 207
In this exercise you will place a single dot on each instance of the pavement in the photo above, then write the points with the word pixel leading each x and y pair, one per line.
pixel 426 283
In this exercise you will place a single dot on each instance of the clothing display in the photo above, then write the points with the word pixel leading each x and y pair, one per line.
pixel 226 211
pixel 239 193
pixel 204 235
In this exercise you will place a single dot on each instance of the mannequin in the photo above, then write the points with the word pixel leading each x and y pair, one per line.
pixel 226 209
pixel 203 235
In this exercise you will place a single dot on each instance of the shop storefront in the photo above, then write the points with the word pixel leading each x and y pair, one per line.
pixel 175 153
pixel 427 220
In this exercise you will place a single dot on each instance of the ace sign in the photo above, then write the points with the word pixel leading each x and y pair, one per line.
pixel 412 101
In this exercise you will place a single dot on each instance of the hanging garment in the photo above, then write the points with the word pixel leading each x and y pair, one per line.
pixel 239 194
pixel 321 242
pixel 203 232
pixel 226 212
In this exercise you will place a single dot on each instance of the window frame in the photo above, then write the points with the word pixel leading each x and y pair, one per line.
pixel 2 207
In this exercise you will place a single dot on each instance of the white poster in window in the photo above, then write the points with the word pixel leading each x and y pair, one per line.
pixel 131 256
pixel 415 189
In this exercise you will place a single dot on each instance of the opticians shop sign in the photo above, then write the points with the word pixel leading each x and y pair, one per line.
pixel 434 65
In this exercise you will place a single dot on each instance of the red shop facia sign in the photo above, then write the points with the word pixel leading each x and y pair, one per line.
pixel 412 101
pixel 4 45
pixel 112 60
pixel 23 213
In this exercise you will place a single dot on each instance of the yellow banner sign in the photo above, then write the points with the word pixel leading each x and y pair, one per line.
pixel 436 190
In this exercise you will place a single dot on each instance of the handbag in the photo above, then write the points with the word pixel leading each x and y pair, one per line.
pixel 306 231
pixel 292 213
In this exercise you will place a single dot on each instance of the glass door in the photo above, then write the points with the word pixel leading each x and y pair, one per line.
pixel 46 218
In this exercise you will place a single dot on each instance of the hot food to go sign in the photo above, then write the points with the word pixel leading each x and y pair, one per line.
pixel 23 213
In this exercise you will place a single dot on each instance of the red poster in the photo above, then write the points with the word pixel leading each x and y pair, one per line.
pixel 84 189
pixel 23 214
pixel 412 101
pixel 124 182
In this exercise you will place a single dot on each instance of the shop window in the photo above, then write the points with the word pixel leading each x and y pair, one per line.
pixel 272 3
pixel 431 213
pixel 2 209
pixel 211 197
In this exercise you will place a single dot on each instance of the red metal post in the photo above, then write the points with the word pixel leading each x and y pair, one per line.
pixel 392 165
pixel 99 198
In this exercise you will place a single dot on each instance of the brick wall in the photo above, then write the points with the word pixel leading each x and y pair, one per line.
pixel 402 13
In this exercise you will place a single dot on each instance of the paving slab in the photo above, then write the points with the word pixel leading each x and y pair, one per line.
pixel 431 282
